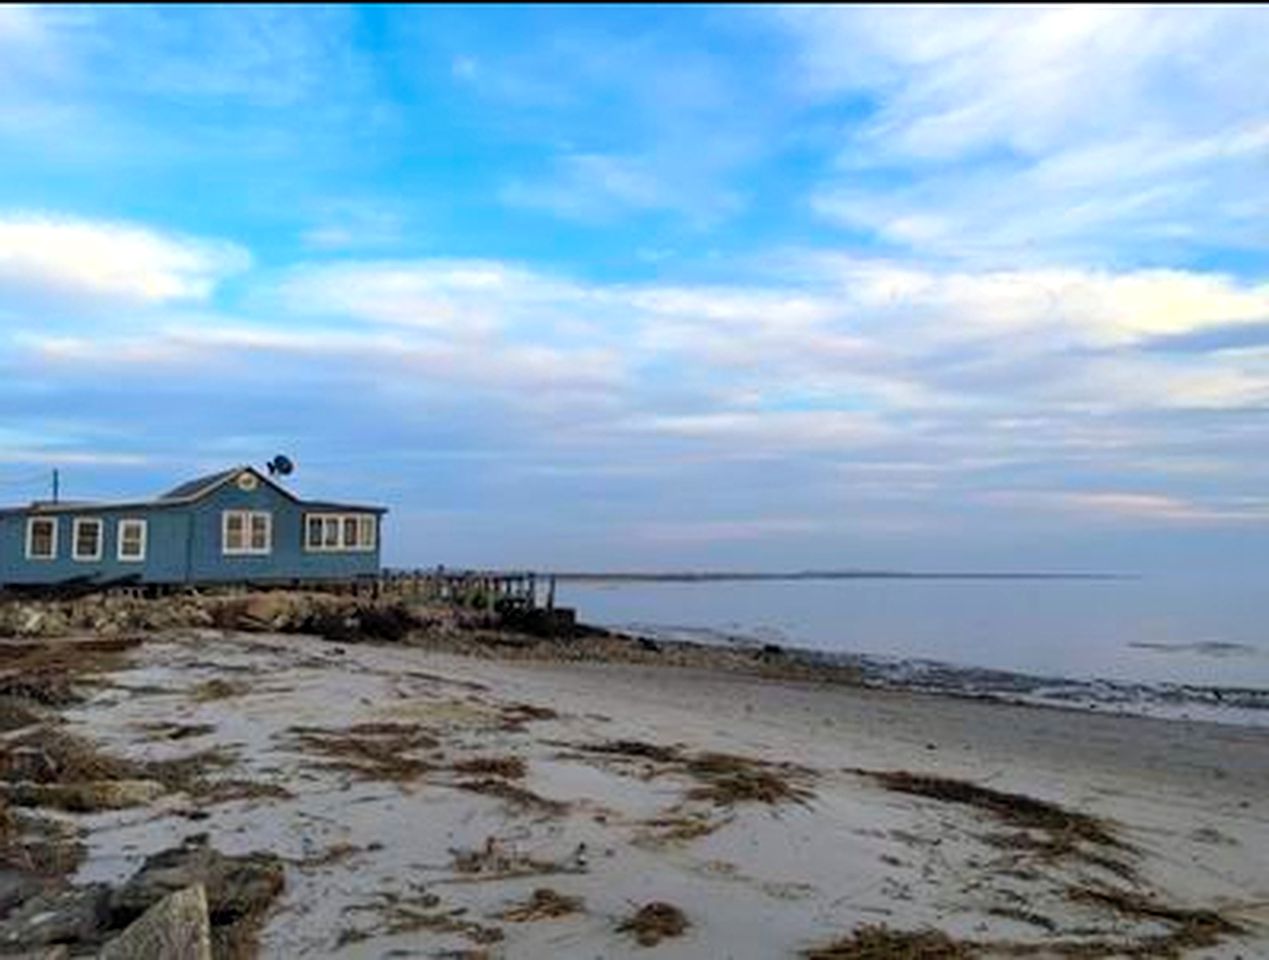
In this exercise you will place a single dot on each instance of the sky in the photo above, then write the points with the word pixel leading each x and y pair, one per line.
pixel 655 287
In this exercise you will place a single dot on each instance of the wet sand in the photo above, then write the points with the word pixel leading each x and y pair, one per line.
pixel 600 782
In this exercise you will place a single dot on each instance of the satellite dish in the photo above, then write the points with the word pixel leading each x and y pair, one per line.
pixel 281 466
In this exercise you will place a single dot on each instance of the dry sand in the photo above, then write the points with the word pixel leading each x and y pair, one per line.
pixel 436 798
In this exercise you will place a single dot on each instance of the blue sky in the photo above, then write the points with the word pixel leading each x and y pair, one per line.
pixel 655 287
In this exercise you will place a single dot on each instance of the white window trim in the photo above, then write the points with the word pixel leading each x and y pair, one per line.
pixel 30 537
pixel 78 524
pixel 145 539
pixel 341 546
pixel 246 550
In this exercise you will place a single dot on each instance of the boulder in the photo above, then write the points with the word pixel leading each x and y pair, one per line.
pixel 237 888
pixel 175 928
pixel 16 887
pixel 74 915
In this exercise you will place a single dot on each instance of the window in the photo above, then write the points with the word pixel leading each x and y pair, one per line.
pixel 246 532
pixel 41 539
pixel 132 537
pixel 87 539
pixel 366 534
pixel 336 532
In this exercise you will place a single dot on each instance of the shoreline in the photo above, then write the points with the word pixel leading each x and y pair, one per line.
pixel 459 790
pixel 1240 706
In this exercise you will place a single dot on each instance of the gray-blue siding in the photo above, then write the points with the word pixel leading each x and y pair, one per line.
pixel 183 545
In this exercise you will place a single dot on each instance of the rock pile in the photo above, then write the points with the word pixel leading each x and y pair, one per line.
pixel 191 894
pixel 336 617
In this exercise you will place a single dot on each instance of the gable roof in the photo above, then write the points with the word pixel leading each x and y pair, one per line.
pixel 185 493
pixel 193 489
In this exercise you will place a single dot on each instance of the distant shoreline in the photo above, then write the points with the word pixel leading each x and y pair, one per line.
pixel 715 576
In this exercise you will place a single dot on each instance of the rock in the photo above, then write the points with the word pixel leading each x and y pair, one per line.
pixel 175 928
pixel 236 888
pixel 86 797
pixel 75 915
pixel 17 886
pixel 269 611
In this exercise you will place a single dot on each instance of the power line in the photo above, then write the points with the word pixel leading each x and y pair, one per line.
pixel 41 477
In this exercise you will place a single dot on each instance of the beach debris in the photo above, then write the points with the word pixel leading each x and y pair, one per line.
pixel 1041 828
pixel 175 928
pixel 210 793
pixel 516 717
pixel 654 922
pixel 49 767
pixel 1013 808
pixel 419 909
pixel 636 748
pixel 371 751
pixel 1192 928
pixel 511 768
pixel 85 797
pixel 543 904
pixel 219 689
pixel 402 918
pixel 879 942
pixel 499 860
pixel 681 828
pixel 239 889
pixel 34 846
pixel 727 780
pixel 514 794
pixel 723 779
pixel 164 730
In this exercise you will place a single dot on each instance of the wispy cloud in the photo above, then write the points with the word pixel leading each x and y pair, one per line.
pixel 1081 132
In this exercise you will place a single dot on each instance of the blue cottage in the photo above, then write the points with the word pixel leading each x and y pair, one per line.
pixel 236 526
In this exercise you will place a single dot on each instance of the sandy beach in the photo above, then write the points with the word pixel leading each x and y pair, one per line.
pixel 425 803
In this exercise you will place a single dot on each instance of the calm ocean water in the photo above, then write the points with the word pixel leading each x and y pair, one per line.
pixel 1153 632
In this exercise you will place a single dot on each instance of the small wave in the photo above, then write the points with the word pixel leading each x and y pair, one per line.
pixel 1206 648
pixel 1239 705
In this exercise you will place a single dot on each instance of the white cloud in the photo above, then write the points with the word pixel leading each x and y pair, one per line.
pixel 1090 133
pixel 763 433
pixel 456 297
pixel 1073 306
pixel 63 257
pixel 1132 506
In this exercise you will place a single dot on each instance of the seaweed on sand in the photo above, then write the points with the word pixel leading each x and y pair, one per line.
pixel 372 751
pixel 1065 833
pixel 544 904
pixel 1013 808
pixel 517 716
pixel 514 794
pixel 723 779
pixel 879 942
pixel 53 757
pixel 1191 928
pixel 637 749
pixel 726 780
pixel 496 860
pixel 47 672
pixel 654 922
pixel 510 768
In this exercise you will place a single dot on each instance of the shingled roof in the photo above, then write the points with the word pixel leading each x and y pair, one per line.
pixel 192 489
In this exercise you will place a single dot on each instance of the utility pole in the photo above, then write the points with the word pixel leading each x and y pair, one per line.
pixel 57 483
